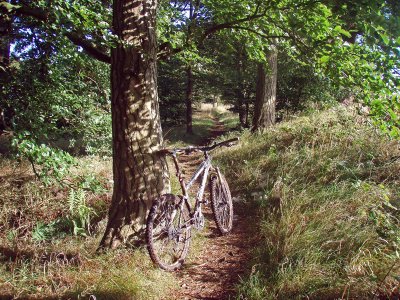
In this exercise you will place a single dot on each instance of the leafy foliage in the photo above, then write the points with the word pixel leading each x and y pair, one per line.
pixel 50 165
pixel 63 99
pixel 171 89
pixel 80 213
pixel 43 232
pixel 77 221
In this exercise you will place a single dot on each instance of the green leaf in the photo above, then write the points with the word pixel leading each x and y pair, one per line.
pixel 324 59
pixel 340 30
pixel 8 6
pixel 384 38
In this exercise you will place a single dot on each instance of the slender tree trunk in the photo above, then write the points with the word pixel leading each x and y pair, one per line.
pixel 3 125
pixel 189 100
pixel 241 108
pixel 5 31
pixel 5 41
pixel 247 114
pixel 189 70
pixel 139 173
pixel 240 88
pixel 264 107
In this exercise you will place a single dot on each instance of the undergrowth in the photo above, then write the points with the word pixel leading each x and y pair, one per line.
pixel 230 120
pixel 326 187
pixel 49 235
pixel 49 231
pixel 178 137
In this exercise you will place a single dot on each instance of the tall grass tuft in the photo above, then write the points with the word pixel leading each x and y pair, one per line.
pixel 326 187
pixel 49 235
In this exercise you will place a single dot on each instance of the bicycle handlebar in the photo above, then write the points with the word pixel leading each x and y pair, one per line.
pixel 188 150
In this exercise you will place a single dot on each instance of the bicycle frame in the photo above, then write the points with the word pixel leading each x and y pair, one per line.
pixel 203 169
pixel 172 217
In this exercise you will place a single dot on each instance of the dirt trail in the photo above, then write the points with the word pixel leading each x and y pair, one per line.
pixel 213 271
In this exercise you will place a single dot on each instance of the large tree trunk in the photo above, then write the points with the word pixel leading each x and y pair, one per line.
pixel 139 173
pixel 264 107
pixel 189 100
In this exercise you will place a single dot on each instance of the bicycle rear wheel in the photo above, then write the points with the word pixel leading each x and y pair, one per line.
pixel 221 203
pixel 168 232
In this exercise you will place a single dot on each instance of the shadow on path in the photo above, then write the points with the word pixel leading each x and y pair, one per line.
pixel 222 260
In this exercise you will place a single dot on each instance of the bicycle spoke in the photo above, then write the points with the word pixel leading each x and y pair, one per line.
pixel 222 204
pixel 167 233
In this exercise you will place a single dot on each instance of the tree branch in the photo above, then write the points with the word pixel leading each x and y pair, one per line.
pixel 196 9
pixel 261 34
pixel 300 5
pixel 37 13
pixel 89 47
pixel 255 15
pixel 221 26
pixel 75 37
pixel 165 50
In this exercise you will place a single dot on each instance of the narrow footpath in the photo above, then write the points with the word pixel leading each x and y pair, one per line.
pixel 214 268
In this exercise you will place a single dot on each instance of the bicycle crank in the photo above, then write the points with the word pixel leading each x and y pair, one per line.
pixel 198 220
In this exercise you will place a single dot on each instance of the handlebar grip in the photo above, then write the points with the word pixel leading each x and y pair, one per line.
pixel 231 141
pixel 191 149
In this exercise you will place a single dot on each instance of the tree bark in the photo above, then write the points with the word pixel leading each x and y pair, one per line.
pixel 5 41
pixel 3 125
pixel 5 31
pixel 239 86
pixel 247 124
pixel 189 70
pixel 139 173
pixel 241 108
pixel 240 95
pixel 264 107
pixel 189 100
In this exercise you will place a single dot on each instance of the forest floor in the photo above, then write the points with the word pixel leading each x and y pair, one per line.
pixel 337 222
pixel 218 262
pixel 40 259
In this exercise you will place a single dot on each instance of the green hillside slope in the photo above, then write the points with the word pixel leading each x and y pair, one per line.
pixel 325 188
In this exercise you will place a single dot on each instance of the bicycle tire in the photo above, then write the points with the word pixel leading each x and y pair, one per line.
pixel 221 204
pixel 168 225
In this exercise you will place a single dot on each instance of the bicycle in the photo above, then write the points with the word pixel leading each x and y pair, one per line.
pixel 171 217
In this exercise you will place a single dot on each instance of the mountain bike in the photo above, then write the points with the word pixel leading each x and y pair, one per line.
pixel 172 217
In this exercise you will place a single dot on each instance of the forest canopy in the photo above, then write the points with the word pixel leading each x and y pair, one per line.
pixel 91 92
pixel 346 45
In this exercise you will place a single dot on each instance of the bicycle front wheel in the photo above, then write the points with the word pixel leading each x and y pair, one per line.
pixel 221 202
pixel 168 232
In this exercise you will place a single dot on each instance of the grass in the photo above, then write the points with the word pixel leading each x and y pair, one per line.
pixel 58 264
pixel 326 192
pixel 202 123
pixel 40 255
pixel 230 120
pixel 324 188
